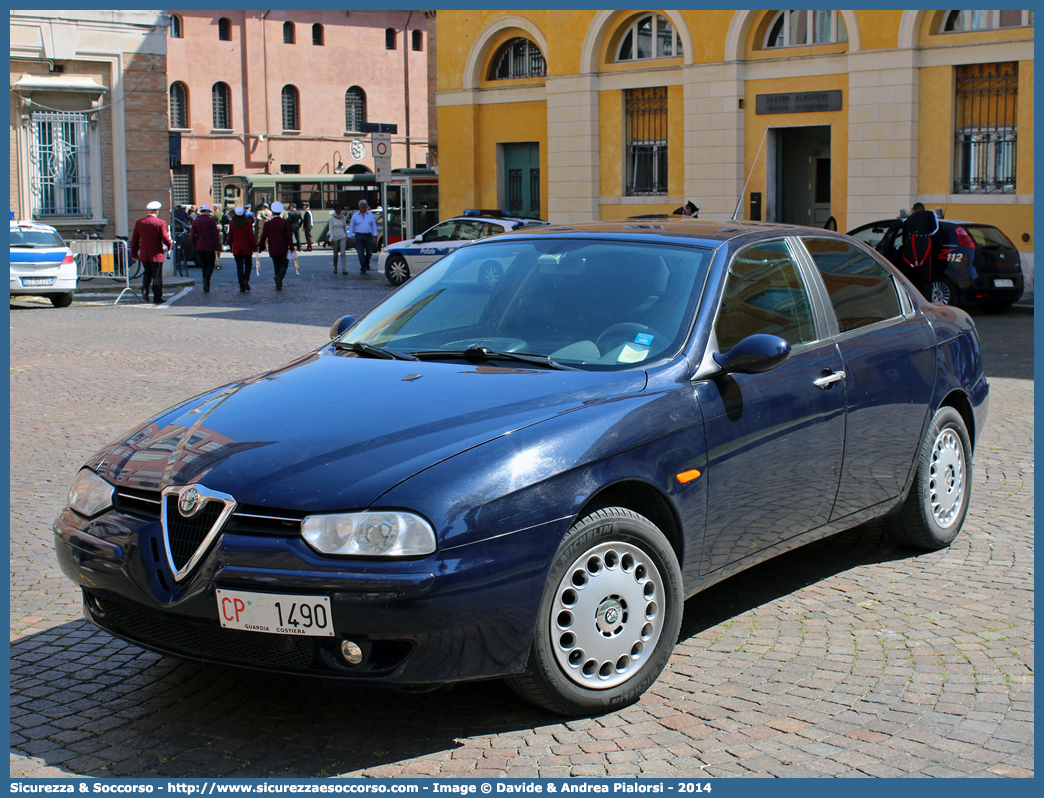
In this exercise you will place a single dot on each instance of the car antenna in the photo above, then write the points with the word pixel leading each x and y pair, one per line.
pixel 739 199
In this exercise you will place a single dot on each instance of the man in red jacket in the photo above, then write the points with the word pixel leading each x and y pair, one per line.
pixel 206 240
pixel 149 243
pixel 277 235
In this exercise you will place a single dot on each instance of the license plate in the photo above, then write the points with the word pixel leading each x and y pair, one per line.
pixel 275 613
pixel 1003 283
pixel 27 281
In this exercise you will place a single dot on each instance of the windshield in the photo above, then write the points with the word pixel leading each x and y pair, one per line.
pixel 30 238
pixel 590 304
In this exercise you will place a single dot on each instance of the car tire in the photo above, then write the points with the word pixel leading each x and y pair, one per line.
pixel 609 616
pixel 397 270
pixel 944 291
pixel 61 300
pixel 490 275
pixel 937 504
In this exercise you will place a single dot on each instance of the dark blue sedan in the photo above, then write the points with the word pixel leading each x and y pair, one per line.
pixel 527 479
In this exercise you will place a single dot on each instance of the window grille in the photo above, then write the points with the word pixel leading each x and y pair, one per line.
pixel 534 192
pixel 60 164
pixel 354 108
pixel 518 58
pixel 218 171
pixel 288 33
pixel 222 106
pixel 986 144
pixel 514 188
pixel 225 29
pixel 317 35
pixel 181 185
pixel 291 118
pixel 178 106
pixel 646 134
pixel 389 38
pixel 416 40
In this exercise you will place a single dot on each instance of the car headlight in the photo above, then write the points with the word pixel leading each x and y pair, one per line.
pixel 369 534
pixel 90 494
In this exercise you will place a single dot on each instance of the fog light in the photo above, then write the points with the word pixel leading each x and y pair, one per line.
pixel 352 653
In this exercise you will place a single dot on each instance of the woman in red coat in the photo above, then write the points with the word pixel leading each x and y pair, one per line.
pixel 244 245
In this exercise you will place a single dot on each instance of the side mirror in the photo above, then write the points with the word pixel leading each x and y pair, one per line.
pixel 341 325
pixel 754 354
pixel 419 237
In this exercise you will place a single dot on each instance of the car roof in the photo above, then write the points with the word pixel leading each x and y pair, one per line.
pixel 681 229
pixel 493 219
pixel 33 225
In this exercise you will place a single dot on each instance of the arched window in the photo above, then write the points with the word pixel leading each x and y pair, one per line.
pixel 317 35
pixel 417 40
pixel 178 106
pixel 289 36
pixel 221 99
pixel 650 36
pixel 291 113
pixel 389 39
pixel 225 29
pixel 354 108
pixel 177 30
pixel 795 28
pixel 959 21
pixel 517 58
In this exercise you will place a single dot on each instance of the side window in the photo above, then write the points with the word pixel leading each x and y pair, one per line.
pixel 469 231
pixel 861 289
pixel 441 232
pixel 764 293
pixel 871 235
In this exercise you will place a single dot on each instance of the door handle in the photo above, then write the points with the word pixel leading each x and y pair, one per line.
pixel 829 379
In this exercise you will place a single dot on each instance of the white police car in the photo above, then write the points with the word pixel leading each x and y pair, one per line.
pixel 401 261
pixel 41 263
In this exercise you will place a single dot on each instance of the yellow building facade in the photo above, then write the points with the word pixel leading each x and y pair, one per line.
pixel 812 117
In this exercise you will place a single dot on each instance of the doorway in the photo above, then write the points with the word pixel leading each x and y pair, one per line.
pixel 520 183
pixel 803 175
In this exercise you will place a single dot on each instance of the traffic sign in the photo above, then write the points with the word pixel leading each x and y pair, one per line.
pixel 381 144
pixel 382 169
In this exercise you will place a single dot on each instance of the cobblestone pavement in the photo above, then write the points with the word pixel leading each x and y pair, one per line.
pixel 849 657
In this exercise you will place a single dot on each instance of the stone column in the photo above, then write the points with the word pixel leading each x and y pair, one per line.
pixel 882 134
pixel 572 149
pixel 714 138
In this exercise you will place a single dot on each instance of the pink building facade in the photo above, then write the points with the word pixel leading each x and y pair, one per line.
pixel 286 91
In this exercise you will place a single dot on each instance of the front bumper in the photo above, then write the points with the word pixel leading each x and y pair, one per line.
pixel 464 613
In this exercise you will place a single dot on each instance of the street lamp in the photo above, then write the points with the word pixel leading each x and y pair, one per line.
pixel 340 164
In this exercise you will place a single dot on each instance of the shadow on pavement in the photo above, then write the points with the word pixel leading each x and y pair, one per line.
pixel 87 703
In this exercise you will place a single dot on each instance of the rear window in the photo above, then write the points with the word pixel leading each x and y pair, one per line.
pixel 32 239
pixel 861 290
pixel 988 237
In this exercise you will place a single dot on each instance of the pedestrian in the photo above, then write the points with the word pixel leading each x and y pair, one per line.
pixel 294 217
pixel 206 241
pixel 149 244
pixel 308 221
pixel 337 233
pixel 279 238
pixel 226 223
pixel 363 228
pixel 263 216
pixel 920 242
pixel 244 245
pixel 181 215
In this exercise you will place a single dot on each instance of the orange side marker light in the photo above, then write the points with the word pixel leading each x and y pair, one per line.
pixel 688 476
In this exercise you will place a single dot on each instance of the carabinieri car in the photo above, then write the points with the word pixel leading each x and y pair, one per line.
pixel 528 480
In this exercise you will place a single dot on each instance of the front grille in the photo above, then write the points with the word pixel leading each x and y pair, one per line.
pixel 246 520
pixel 205 641
pixel 187 534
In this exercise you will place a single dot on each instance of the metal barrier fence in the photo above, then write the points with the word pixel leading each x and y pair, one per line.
pixel 108 258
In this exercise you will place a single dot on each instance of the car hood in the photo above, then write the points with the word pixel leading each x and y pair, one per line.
pixel 331 431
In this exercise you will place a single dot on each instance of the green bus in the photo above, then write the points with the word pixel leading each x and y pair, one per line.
pixel 412 198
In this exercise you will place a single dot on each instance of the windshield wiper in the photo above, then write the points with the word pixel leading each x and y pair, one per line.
pixel 481 354
pixel 369 350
